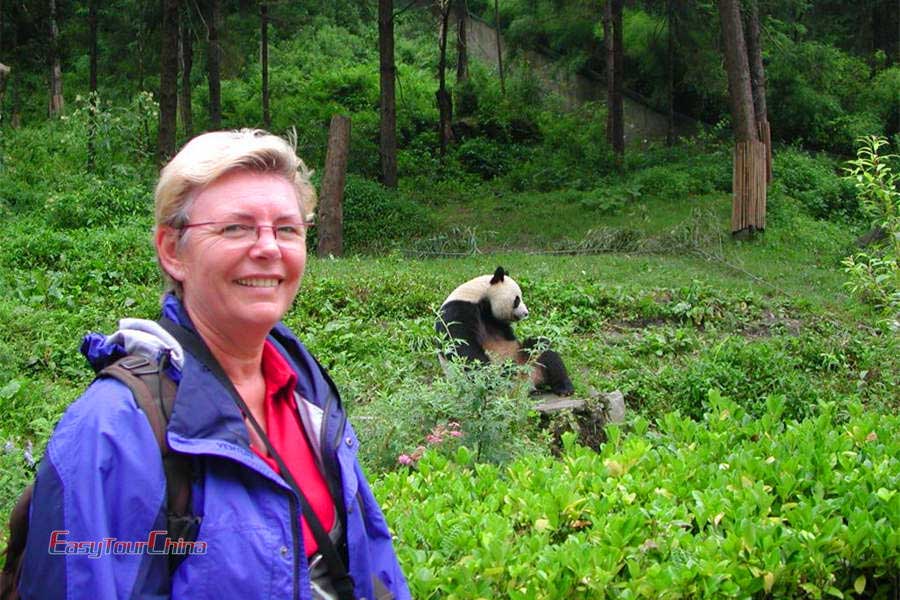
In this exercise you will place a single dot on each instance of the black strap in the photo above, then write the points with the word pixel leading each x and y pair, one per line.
pixel 193 343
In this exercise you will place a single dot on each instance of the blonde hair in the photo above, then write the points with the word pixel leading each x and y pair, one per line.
pixel 208 157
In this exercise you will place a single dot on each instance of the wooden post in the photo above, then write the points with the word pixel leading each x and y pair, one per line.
pixel 331 213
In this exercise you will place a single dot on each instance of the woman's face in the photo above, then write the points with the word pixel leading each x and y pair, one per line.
pixel 248 282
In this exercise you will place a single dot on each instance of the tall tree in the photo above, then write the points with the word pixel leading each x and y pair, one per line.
pixel 264 60
pixel 749 176
pixel 670 72
pixel 462 51
pixel 186 58
pixel 213 63
pixel 499 46
pixel 141 42
pixel 388 103
pixel 94 98
pixel 612 32
pixel 168 81
pixel 444 102
pixel 758 82
pixel 56 85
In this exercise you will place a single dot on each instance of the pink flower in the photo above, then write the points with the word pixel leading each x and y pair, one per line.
pixel 456 433
pixel 405 459
pixel 432 438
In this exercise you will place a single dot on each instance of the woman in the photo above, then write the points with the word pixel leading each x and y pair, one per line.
pixel 254 413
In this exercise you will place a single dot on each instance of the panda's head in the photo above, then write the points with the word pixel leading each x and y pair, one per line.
pixel 505 297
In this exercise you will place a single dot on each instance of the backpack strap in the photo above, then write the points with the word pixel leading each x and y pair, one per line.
pixel 154 393
pixel 15 547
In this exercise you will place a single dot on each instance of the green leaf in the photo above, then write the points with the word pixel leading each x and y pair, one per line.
pixel 885 494
pixel 860 584
pixel 10 389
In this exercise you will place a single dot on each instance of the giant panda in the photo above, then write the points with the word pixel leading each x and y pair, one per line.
pixel 476 316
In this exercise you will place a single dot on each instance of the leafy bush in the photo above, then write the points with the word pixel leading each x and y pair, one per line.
pixel 728 507
pixel 485 157
pixel 491 406
pixel 820 89
pixel 376 218
pixel 813 182
pixel 875 277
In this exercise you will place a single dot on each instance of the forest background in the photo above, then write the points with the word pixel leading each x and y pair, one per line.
pixel 759 455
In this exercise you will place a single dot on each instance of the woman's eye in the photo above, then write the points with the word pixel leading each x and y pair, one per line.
pixel 236 229
pixel 288 231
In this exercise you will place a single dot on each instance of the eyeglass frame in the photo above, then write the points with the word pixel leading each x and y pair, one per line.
pixel 304 225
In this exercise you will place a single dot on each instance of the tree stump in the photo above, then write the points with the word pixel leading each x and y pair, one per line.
pixel 585 417
pixel 331 212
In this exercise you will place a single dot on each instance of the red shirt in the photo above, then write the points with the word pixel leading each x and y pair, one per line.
pixel 287 436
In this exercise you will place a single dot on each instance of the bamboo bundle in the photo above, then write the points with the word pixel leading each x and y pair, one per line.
pixel 748 209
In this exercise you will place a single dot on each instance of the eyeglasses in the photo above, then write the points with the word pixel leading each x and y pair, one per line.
pixel 244 232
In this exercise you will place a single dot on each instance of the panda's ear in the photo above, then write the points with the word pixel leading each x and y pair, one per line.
pixel 499 274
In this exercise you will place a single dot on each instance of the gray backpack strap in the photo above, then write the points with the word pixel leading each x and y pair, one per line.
pixel 154 393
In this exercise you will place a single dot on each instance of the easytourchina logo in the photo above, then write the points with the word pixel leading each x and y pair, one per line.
pixel 157 542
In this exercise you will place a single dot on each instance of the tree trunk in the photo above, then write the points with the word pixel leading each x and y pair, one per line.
pixel 15 118
pixel 264 61
pixel 93 98
pixel 388 105
pixel 141 43
pixel 612 33
pixel 617 108
pixel 758 83
pixel 743 118
pixel 445 104
pixel 462 51
pixel 499 47
pixel 610 66
pixel 4 75
pixel 213 64
pixel 331 214
pixel 749 174
pixel 55 106
pixel 670 72
pixel 168 81
pixel 187 65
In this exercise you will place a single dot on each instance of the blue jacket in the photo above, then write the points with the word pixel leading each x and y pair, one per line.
pixel 102 477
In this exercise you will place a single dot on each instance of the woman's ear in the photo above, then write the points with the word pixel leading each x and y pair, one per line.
pixel 167 239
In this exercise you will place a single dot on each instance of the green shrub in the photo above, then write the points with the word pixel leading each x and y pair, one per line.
pixel 875 276
pixel 485 157
pixel 376 218
pixel 820 90
pixel 730 507
pixel 813 182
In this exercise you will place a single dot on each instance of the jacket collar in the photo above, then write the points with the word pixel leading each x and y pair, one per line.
pixel 203 407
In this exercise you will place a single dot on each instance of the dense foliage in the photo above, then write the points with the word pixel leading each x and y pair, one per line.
pixel 726 507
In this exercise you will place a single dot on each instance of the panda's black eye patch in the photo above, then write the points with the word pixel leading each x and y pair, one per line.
pixel 517 302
